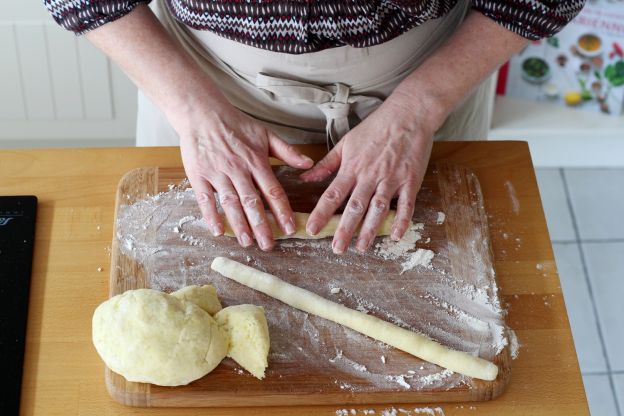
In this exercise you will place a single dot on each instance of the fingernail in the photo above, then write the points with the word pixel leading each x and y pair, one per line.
pixel 306 161
pixel 216 229
pixel 265 243
pixel 312 229
pixel 290 226
pixel 245 240
pixel 395 235
pixel 361 245
pixel 338 247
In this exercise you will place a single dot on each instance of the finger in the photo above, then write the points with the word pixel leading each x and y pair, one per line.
pixel 288 153
pixel 326 166
pixel 352 216
pixel 254 210
pixel 204 194
pixel 405 210
pixel 230 202
pixel 377 212
pixel 276 197
pixel 329 202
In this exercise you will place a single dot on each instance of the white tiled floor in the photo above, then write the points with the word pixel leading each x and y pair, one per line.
pixel 598 201
pixel 580 307
pixel 605 266
pixel 600 395
pixel 619 389
pixel 584 209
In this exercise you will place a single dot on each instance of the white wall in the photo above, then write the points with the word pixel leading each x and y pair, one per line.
pixel 56 89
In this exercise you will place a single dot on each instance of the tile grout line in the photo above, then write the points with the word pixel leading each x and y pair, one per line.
pixel 602 373
pixel 590 289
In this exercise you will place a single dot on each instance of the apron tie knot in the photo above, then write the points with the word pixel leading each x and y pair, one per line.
pixel 334 101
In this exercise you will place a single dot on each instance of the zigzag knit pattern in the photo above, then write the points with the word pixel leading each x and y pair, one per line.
pixel 302 26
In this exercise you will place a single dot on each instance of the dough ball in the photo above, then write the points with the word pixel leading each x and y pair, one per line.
pixel 248 331
pixel 203 296
pixel 151 337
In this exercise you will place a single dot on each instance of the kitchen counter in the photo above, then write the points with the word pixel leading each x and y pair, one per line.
pixel 63 374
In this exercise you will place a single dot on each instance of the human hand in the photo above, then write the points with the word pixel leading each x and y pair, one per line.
pixel 385 156
pixel 225 150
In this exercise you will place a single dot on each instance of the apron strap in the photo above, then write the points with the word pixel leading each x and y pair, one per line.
pixel 334 101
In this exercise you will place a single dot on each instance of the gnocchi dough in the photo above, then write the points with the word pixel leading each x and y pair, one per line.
pixel 301 218
pixel 204 296
pixel 151 337
pixel 403 339
pixel 248 332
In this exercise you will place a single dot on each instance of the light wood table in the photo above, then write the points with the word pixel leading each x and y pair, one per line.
pixel 63 374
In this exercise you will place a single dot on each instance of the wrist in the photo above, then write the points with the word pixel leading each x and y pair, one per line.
pixel 193 103
pixel 422 105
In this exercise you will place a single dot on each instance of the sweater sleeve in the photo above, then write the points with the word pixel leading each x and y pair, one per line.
pixel 81 16
pixel 531 19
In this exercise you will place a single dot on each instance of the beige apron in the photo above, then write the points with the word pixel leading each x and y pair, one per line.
pixel 315 97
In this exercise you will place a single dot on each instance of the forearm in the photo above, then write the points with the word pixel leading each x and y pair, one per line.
pixel 140 45
pixel 470 55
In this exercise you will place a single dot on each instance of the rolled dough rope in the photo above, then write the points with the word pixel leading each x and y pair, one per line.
pixel 403 339
pixel 301 218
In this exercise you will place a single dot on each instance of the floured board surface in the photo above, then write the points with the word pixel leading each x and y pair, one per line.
pixel 161 242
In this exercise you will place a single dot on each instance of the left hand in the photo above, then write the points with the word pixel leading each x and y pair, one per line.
pixel 385 156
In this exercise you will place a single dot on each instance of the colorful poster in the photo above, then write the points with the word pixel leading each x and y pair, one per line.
pixel 580 67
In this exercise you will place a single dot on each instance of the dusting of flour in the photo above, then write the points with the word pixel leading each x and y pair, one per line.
pixel 405 249
pixel 420 257
pixel 393 411
pixel 166 234
pixel 441 218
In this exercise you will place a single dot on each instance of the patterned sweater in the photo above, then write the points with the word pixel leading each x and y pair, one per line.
pixel 302 26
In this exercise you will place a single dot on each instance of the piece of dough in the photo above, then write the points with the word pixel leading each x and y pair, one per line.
pixel 301 218
pixel 403 339
pixel 248 332
pixel 151 337
pixel 204 296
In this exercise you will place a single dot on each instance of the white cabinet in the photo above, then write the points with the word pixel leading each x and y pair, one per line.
pixel 56 88
pixel 560 136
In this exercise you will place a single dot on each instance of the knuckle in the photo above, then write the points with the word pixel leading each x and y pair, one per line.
pixel 250 201
pixel 203 198
pixel 276 192
pixel 228 199
pixel 256 159
pixel 379 205
pixel 232 165
pixel 286 146
pixel 333 195
pixel 356 206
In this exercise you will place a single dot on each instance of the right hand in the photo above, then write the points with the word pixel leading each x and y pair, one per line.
pixel 226 151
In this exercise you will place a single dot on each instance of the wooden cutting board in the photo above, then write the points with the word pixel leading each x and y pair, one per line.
pixel 160 242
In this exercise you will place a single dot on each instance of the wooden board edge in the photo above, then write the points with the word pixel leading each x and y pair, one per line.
pixel 126 392
pixel 233 400
pixel 495 388
pixel 123 391
pixel 503 359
